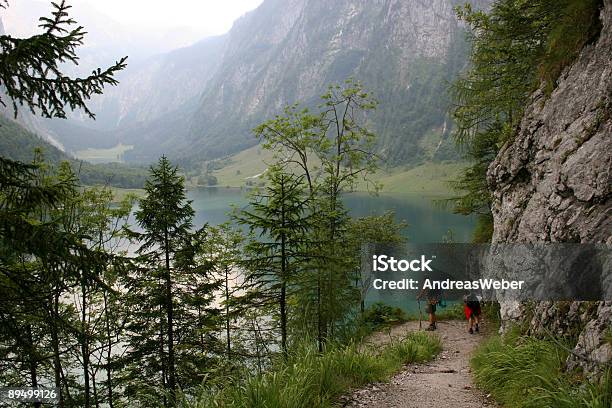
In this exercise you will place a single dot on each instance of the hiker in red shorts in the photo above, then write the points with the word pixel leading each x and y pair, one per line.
pixel 472 312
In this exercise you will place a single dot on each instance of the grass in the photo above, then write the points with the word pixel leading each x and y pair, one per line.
pixel 312 380
pixel 608 336
pixel 238 169
pixel 114 154
pixel 119 194
pixel 429 178
pixel 525 372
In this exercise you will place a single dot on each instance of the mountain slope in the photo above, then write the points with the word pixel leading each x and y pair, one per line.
pixel 158 79
pixel 162 88
pixel 18 143
pixel 289 51
pixel 201 102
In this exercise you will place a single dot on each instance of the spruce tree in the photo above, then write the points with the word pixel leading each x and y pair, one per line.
pixel 31 68
pixel 171 341
pixel 280 217
pixel 165 218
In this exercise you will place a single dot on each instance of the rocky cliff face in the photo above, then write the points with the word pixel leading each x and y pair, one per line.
pixel 150 107
pixel 164 83
pixel 406 52
pixel 552 183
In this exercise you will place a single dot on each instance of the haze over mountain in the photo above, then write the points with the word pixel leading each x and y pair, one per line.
pixel 105 42
pixel 106 39
pixel 201 101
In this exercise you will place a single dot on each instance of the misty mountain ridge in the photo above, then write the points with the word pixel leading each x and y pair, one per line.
pixel 201 102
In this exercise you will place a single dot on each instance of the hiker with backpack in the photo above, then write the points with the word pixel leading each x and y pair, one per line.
pixel 472 312
pixel 433 297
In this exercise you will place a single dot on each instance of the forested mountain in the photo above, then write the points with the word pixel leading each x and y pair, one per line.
pixel 18 143
pixel 202 101
pixel 159 92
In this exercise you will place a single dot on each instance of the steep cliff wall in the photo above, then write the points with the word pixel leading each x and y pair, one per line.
pixel 284 52
pixel 552 183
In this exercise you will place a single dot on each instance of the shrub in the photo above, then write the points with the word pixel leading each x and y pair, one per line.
pixel 380 314
pixel 577 25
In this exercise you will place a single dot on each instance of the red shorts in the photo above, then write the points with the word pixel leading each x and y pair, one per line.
pixel 471 309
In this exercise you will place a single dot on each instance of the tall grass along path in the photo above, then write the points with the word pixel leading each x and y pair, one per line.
pixel 441 383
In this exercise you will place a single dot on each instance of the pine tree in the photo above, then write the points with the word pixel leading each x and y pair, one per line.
pixel 280 217
pixel 165 219
pixel 170 296
pixel 31 72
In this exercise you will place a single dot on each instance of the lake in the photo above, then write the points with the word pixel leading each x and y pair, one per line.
pixel 427 221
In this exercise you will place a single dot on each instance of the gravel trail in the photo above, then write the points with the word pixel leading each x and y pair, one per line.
pixel 441 383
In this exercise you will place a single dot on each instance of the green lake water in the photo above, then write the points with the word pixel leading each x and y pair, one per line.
pixel 427 222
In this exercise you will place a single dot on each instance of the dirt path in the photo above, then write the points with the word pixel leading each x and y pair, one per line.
pixel 443 382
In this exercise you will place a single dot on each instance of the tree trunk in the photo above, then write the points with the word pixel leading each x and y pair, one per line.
pixel 284 264
pixel 84 345
pixel 319 312
pixel 95 390
pixel 57 364
pixel 170 318
pixel 32 362
pixel 283 318
pixel 109 345
pixel 227 316
pixel 162 356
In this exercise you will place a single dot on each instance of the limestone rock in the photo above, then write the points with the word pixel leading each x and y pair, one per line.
pixel 552 184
